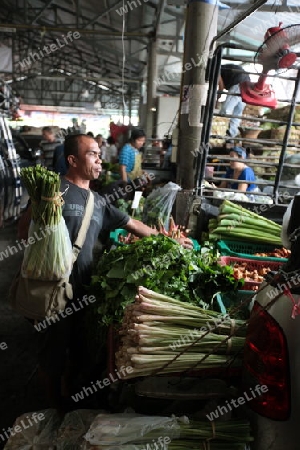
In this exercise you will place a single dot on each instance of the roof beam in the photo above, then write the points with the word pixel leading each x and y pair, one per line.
pixel 46 6
pixel 23 26
pixel 108 10
pixel 266 8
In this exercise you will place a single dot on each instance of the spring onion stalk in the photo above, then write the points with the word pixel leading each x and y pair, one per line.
pixel 247 235
pixel 162 334
pixel 245 220
pixel 231 434
pixel 237 222
pixel 228 207
pixel 48 254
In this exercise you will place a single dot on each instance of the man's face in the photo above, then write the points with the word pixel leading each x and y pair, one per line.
pixel 139 142
pixel 47 136
pixel 88 162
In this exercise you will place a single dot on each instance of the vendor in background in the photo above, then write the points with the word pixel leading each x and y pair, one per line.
pixel 111 151
pixel 130 158
pixel 48 145
pixel 59 163
pixel 230 79
pixel 101 144
pixel 239 170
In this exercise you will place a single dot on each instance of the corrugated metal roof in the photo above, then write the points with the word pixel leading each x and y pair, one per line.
pixel 97 57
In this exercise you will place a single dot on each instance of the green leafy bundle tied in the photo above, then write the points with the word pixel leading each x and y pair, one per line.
pixel 49 253
pixel 43 187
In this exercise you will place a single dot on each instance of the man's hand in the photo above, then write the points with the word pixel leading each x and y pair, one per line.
pixel 185 242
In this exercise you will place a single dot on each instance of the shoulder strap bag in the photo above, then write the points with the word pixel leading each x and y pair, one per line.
pixel 37 299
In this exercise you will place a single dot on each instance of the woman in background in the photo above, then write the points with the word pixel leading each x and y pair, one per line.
pixel 239 171
pixel 130 158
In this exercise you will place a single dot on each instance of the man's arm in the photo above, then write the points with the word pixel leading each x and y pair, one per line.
pixel 141 230
pixel 242 187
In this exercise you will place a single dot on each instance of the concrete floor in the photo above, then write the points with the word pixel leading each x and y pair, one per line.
pixel 19 389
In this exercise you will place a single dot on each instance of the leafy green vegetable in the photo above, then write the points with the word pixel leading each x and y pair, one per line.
pixel 161 264
pixel 126 206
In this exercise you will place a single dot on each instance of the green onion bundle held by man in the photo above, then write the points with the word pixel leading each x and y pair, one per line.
pixel 66 336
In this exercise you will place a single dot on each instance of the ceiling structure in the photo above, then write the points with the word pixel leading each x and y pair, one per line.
pixel 93 54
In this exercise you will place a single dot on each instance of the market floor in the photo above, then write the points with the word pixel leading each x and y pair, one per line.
pixel 19 388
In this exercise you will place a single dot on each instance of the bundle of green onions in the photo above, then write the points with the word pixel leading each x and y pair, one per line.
pixel 232 434
pixel 48 252
pixel 157 334
pixel 236 222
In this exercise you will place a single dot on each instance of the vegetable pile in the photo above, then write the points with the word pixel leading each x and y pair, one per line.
pixel 49 253
pixel 236 222
pixel 126 207
pixel 277 253
pixel 158 263
pixel 241 271
pixel 157 330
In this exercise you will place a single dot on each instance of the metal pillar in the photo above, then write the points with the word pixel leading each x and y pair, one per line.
pixel 151 89
pixel 201 27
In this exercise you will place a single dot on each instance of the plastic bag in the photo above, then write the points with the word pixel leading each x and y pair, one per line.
pixel 35 431
pixel 73 428
pixel 158 205
pixel 119 429
pixel 48 253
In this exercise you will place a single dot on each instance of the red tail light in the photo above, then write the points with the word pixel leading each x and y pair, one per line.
pixel 266 362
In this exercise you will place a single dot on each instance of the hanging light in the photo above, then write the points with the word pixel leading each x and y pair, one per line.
pixel 85 94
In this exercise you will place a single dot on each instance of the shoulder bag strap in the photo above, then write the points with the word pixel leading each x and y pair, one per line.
pixel 88 212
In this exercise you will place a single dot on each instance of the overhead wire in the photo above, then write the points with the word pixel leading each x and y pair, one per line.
pixel 123 59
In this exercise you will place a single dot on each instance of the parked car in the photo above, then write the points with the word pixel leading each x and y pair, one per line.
pixel 272 355
pixel 27 147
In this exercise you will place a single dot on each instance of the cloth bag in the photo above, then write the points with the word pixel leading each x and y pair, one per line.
pixel 37 299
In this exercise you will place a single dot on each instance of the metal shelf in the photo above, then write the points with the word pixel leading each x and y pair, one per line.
pixel 284 145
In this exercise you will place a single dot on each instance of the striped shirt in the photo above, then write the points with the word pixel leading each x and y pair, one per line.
pixel 127 157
